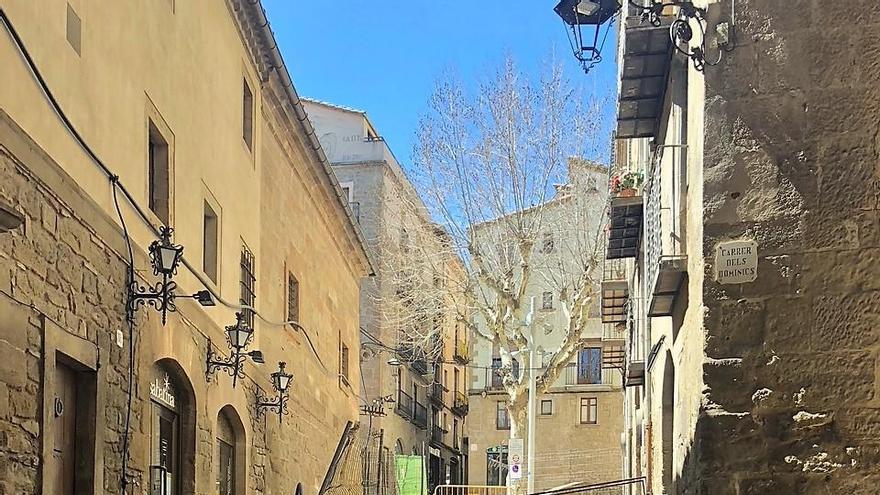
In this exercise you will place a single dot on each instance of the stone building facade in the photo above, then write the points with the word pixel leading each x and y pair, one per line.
pixel 428 375
pixel 579 420
pixel 191 111
pixel 752 296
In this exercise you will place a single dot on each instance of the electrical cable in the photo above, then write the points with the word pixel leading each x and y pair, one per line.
pixel 130 324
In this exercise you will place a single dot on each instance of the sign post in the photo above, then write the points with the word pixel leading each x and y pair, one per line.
pixel 515 455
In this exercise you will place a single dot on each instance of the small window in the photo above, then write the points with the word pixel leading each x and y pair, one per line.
pixel 210 231
pixel 248 284
pixel 589 410
pixel 404 240
pixel 158 174
pixel 547 300
pixel 247 115
pixel 502 419
pixel 496 467
pixel 546 407
pixel 547 244
pixel 226 468
pixel 292 298
pixel 74 30
pixel 343 363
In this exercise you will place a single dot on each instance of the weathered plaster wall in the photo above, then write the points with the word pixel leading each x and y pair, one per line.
pixel 792 158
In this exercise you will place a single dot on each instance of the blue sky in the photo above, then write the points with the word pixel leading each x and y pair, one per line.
pixel 384 56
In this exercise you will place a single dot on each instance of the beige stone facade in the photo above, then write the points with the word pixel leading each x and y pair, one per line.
pixel 428 415
pixel 577 434
pixel 761 384
pixel 190 108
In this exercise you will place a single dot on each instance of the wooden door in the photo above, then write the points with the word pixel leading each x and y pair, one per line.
pixel 64 417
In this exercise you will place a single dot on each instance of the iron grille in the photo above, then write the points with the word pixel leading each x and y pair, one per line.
pixel 248 284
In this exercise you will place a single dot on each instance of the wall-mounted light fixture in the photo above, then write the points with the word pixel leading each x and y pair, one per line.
pixel 164 258
pixel 592 14
pixel 280 382
pixel 238 336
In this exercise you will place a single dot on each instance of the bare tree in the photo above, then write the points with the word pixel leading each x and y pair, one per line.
pixel 495 167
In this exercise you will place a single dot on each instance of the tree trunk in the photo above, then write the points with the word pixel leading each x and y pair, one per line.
pixel 518 420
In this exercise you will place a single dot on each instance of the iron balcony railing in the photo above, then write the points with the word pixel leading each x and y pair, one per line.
pixel 404 406
pixel 579 375
pixel 420 415
pixel 462 353
pixel 437 434
pixel 460 404
pixel 653 242
pixel 437 391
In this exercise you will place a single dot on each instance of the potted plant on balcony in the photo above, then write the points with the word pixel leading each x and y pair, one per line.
pixel 626 185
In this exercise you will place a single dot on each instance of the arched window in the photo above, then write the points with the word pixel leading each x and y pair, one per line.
pixel 172 430
pixel 229 454
pixel 299 489
pixel 398 447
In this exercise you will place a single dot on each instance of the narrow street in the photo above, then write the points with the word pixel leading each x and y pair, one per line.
pixel 576 247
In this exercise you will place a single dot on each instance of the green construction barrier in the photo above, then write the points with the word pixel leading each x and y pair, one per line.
pixel 410 475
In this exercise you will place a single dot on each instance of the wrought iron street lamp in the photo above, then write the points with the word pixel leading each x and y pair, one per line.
pixel 165 256
pixel 238 336
pixel 594 13
pixel 585 19
pixel 280 382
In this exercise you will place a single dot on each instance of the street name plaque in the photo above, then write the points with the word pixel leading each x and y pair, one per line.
pixel 736 262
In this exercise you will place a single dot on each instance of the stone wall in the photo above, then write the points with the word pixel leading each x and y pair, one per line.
pixel 792 157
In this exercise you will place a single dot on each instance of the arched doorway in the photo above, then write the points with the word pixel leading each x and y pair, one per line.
pixel 229 453
pixel 668 431
pixel 172 429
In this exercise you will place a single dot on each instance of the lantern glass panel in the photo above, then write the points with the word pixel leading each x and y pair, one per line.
pixel 168 258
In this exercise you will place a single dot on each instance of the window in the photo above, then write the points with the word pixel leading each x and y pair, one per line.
pixel 158 179
pixel 496 466
pixel 589 366
pixel 589 410
pixel 546 407
pixel 547 244
pixel 74 30
pixel 502 419
pixel 210 230
pixel 248 284
pixel 404 240
pixel 247 115
pixel 292 298
pixel 343 363
pixel 225 455
pixel 496 372
pixel 547 300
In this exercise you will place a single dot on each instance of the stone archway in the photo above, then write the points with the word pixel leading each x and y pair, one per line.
pixel 172 432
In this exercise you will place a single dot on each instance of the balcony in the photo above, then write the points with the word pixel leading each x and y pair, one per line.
pixel 665 266
pixel 437 434
pixel 615 291
pixel 462 352
pixel 413 358
pixel 646 56
pixel 460 404
pixel 437 391
pixel 404 405
pixel 573 375
pixel 635 374
pixel 420 415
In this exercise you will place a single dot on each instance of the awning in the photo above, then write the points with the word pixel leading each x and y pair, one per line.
pixel 646 57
